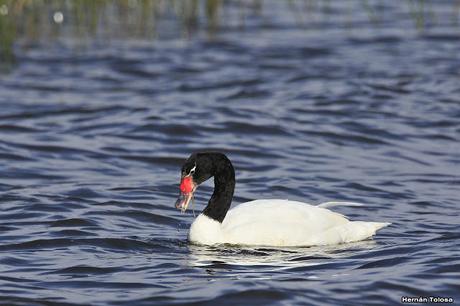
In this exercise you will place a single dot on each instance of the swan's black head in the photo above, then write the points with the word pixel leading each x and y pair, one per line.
pixel 198 168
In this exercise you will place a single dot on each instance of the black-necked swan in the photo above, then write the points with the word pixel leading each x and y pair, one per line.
pixel 267 222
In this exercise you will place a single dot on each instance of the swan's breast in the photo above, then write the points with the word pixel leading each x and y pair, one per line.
pixel 205 230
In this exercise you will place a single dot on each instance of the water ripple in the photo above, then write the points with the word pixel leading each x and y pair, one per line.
pixel 308 108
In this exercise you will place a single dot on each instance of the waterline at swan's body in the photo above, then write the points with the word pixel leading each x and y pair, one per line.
pixel 280 223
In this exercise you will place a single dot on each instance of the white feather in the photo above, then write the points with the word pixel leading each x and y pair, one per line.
pixel 337 203
pixel 280 223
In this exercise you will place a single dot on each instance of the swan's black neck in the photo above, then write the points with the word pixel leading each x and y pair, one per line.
pixel 224 185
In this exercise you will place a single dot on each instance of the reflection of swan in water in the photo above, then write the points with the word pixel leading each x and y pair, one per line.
pixel 226 256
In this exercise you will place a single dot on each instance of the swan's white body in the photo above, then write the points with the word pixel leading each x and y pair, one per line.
pixel 280 223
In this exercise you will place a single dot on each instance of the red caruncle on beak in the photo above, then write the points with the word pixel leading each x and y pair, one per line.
pixel 186 184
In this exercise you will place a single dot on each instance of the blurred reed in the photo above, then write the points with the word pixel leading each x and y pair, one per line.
pixel 29 22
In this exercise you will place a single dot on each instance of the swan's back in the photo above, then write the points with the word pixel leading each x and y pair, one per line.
pixel 291 223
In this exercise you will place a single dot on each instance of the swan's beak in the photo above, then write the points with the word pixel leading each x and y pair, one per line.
pixel 187 188
pixel 183 201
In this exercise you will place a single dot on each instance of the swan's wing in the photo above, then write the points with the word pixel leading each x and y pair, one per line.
pixel 277 222
pixel 339 203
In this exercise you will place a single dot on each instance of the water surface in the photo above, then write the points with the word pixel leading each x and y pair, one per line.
pixel 339 104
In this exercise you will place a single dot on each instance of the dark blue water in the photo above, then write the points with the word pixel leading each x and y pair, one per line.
pixel 336 105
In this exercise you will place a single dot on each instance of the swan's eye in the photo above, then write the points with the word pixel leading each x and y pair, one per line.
pixel 192 171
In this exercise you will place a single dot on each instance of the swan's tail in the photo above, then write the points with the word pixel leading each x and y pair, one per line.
pixel 358 230
pixel 353 230
pixel 350 232
pixel 379 225
pixel 336 203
